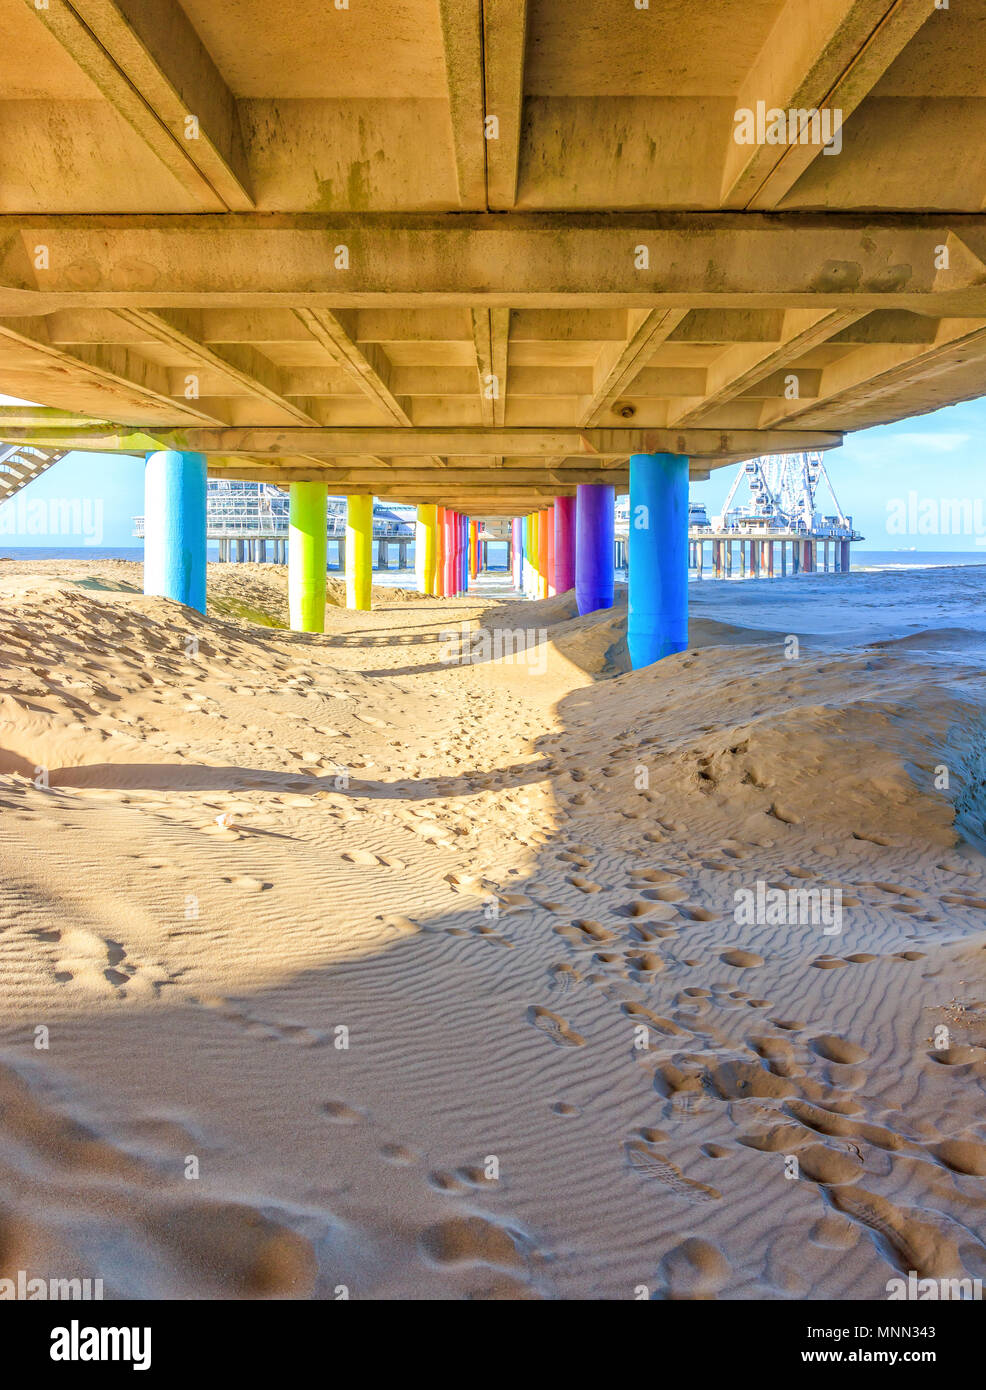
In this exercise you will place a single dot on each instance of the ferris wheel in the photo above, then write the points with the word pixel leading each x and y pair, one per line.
pixel 784 492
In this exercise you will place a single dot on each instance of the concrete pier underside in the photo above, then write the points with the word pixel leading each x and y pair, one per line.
pixel 462 253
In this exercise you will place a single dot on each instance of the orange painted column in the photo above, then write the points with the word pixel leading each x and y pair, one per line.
pixel 542 522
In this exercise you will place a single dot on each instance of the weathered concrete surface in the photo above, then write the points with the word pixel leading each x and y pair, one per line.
pixel 266 229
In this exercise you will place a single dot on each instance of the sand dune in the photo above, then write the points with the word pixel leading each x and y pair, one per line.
pixel 438 975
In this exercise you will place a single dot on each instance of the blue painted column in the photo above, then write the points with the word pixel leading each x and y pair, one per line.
pixel 657 620
pixel 595 504
pixel 174 527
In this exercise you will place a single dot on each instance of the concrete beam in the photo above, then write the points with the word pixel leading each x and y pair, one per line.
pixel 111 378
pixel 504 35
pixel 740 367
pixel 529 443
pixel 241 362
pixel 866 375
pixel 368 366
pixel 149 63
pixel 615 371
pixel 740 261
pixel 829 54
pixel 462 39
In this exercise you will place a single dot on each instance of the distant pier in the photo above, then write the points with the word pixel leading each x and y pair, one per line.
pixel 779 531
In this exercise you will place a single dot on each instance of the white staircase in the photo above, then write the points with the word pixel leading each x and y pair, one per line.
pixel 20 464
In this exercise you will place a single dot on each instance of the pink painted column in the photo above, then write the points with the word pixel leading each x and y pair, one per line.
pixel 564 544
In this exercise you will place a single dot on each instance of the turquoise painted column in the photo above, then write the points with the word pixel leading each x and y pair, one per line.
pixel 657 620
pixel 174 527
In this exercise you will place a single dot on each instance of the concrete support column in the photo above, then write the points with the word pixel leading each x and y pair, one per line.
pixel 699 558
pixel 359 551
pixel 542 552
pixel 845 560
pixel 439 552
pixel 657 613
pixel 770 559
pixel 564 544
pixel 517 551
pixel 783 559
pixel 550 571
pixel 306 556
pixel 465 526
pixel 175 531
pixel 594 521
pixel 448 553
pixel 424 548
pixel 473 549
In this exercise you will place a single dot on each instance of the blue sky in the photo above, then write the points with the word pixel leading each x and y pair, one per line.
pixel 904 474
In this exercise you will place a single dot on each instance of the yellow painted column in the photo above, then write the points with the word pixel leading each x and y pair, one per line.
pixel 359 552
pixel 306 557
pixel 426 548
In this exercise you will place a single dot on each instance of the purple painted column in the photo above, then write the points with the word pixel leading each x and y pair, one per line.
pixel 564 544
pixel 594 526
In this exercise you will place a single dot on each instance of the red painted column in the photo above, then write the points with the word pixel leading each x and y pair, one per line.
pixel 441 546
pixel 564 544
pixel 449 553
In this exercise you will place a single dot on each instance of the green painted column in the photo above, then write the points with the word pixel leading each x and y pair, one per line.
pixel 359 552
pixel 306 556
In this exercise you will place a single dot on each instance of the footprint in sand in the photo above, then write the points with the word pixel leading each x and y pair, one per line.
pixel 300 1034
pixel 554 1027
pixel 652 1165
pixel 671 894
pixel 827 962
pixel 248 884
pixel 584 885
pixel 695 1269
pixel 585 932
pixel 342 1114
pixel 101 966
pixel 691 913
pixel 741 960
pixel 563 977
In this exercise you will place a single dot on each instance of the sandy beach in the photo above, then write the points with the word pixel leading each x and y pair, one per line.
pixel 332 967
